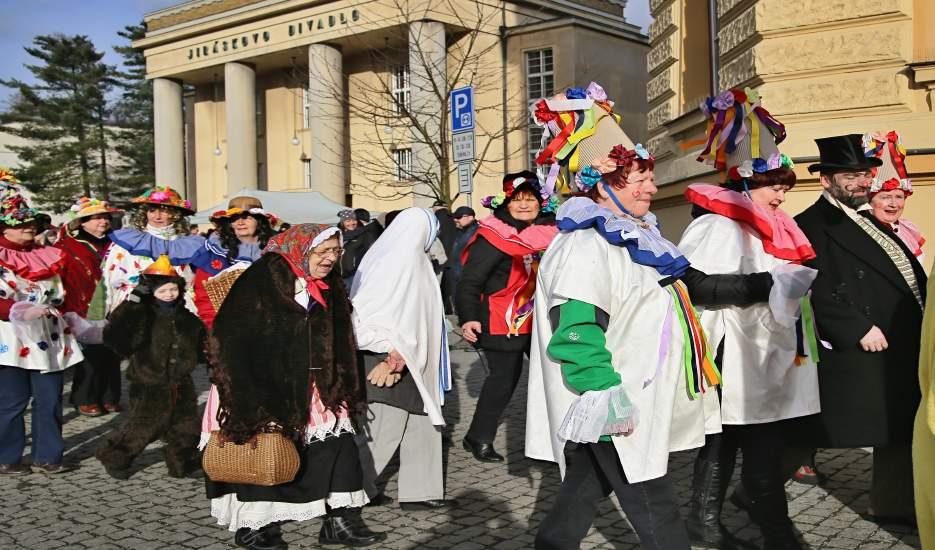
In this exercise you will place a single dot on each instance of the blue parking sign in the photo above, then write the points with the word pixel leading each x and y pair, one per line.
pixel 462 109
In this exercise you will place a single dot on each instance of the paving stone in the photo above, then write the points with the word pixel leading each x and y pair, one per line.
pixel 502 505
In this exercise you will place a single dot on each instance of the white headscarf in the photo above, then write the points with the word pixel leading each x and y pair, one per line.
pixel 398 305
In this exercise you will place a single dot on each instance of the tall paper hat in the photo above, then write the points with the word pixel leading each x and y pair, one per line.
pixel 86 206
pixel 742 137
pixel 164 196
pixel 580 132
pixel 161 267
pixel 892 174
pixel 14 210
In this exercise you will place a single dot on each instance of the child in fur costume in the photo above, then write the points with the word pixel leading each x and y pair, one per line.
pixel 164 342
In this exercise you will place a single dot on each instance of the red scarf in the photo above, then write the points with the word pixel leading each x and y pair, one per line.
pixel 296 245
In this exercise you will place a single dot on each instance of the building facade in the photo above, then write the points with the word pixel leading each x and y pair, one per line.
pixel 822 68
pixel 350 98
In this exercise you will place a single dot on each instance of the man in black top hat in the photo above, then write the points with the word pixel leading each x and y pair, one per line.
pixel 868 300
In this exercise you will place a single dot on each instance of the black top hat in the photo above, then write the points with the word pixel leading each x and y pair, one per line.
pixel 839 153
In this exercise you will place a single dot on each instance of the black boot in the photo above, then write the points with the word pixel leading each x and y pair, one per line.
pixel 770 511
pixel 704 511
pixel 348 529
pixel 259 539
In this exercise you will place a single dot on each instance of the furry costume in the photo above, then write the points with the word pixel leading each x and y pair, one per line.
pixel 164 344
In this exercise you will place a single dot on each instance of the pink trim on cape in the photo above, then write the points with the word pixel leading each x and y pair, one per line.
pixel 34 265
pixel 536 237
pixel 911 235
pixel 779 233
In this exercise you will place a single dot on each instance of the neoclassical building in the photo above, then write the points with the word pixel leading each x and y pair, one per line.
pixel 349 97
pixel 822 68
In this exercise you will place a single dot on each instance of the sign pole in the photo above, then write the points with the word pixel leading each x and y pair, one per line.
pixel 462 138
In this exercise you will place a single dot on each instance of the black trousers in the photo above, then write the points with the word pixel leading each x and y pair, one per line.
pixel 593 471
pixel 96 379
pixel 505 370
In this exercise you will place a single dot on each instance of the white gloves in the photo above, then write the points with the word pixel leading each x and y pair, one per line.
pixel 86 332
pixel 790 284
pixel 24 312
pixel 597 413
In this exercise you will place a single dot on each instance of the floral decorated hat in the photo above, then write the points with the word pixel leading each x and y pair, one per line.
pixel 86 206
pixel 521 181
pixel 164 196
pixel 14 210
pixel 582 138
pixel 742 137
pixel 892 174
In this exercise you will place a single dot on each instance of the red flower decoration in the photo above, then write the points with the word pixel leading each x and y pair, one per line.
pixel 621 155
pixel 12 284
pixel 739 95
pixel 733 174
pixel 216 264
pixel 23 351
pixel 543 114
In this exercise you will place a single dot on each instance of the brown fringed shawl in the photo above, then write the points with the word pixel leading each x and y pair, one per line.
pixel 267 350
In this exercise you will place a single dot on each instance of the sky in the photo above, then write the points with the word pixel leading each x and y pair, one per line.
pixel 101 19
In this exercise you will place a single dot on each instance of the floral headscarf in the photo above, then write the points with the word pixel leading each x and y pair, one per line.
pixel 296 244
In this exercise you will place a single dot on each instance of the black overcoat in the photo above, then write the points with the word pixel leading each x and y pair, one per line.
pixel 867 399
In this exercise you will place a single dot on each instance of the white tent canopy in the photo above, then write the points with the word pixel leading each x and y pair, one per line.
pixel 290 206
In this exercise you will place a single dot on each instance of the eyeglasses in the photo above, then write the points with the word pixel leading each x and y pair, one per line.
pixel 336 252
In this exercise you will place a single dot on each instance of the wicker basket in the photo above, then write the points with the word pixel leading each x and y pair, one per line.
pixel 218 286
pixel 271 459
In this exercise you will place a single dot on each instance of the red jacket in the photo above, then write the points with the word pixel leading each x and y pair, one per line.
pixel 82 271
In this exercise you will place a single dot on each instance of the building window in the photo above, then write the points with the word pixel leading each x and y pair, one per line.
pixel 399 87
pixel 402 158
pixel 540 82
pixel 306 107
pixel 307 173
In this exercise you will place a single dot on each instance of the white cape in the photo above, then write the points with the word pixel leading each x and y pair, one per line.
pixel 398 305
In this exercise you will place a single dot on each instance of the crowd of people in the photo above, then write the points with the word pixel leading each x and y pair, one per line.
pixel 327 346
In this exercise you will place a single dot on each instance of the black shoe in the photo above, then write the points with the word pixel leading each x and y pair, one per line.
pixel 347 531
pixel 52 469
pixel 380 500
pixel 258 539
pixel 482 451
pixel 15 469
pixel 118 473
pixel 428 504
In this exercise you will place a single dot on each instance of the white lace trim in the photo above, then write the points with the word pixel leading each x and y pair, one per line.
pixel 322 432
pixel 234 514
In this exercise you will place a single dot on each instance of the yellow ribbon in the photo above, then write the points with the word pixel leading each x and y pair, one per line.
pixel 754 133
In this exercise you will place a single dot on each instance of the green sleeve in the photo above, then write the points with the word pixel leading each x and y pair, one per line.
pixel 578 343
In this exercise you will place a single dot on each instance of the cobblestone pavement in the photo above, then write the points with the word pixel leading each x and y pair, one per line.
pixel 501 504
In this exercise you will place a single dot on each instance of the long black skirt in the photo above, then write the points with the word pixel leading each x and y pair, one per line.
pixel 329 466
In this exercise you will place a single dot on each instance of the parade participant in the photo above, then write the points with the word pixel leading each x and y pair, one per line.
pixel 464 218
pixel 613 324
pixel 95 387
pixel 891 187
pixel 35 344
pixel 286 357
pixel 494 297
pixel 242 232
pixel 768 356
pixel 923 434
pixel 402 337
pixel 868 301
pixel 157 226
pixel 164 342
pixel 357 240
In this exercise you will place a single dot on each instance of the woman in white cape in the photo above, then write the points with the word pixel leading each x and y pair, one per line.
pixel 399 319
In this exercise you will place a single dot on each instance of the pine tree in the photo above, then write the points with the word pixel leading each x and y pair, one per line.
pixel 133 114
pixel 63 117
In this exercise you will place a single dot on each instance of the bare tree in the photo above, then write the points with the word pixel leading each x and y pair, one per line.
pixel 407 109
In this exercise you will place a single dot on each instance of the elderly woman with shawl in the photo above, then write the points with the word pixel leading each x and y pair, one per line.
pixel 494 296
pixel 285 359
pixel 399 318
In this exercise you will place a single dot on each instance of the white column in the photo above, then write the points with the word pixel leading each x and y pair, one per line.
pixel 240 111
pixel 428 75
pixel 169 138
pixel 327 120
